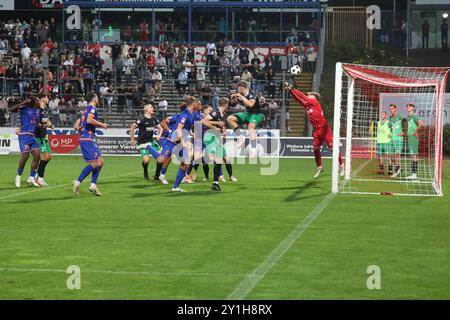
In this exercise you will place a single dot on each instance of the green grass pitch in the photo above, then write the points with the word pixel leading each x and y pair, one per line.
pixel 139 241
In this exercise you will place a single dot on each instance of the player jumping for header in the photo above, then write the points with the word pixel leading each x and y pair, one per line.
pixel 322 132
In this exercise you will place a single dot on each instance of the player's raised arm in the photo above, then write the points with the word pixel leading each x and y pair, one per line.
pixel 16 107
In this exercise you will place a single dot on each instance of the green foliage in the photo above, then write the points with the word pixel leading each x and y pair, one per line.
pixel 352 53
pixel 446 140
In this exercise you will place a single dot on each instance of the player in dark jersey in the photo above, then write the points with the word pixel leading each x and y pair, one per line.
pixel 253 115
pixel 147 126
pixel 30 115
pixel 42 139
pixel 86 124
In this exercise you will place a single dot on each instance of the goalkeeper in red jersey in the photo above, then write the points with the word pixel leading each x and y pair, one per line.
pixel 322 132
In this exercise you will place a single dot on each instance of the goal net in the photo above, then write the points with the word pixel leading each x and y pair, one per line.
pixel 389 122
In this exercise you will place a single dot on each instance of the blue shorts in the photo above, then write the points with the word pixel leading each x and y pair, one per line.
pixel 167 148
pixel 89 150
pixel 27 143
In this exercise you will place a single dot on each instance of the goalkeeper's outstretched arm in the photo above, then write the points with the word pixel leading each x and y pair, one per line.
pixel 299 96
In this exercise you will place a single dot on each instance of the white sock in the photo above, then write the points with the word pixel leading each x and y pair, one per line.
pixel 93 185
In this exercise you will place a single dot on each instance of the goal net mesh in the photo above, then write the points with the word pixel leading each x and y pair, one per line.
pixel 391 122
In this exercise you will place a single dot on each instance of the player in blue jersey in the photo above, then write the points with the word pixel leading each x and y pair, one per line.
pixel 199 146
pixel 30 115
pixel 177 141
pixel 168 125
pixel 86 124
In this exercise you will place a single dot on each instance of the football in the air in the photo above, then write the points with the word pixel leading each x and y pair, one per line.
pixel 296 70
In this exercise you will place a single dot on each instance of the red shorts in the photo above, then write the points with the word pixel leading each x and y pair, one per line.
pixel 321 135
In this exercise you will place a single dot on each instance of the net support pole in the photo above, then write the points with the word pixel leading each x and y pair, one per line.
pixel 336 127
pixel 348 133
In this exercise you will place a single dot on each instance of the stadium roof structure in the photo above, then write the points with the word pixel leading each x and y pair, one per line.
pixel 195 3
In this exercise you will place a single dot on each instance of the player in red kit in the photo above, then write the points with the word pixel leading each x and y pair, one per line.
pixel 322 132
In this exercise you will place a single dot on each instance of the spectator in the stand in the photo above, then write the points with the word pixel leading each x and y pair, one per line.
pixel 444 33
pixel 273 112
pixel 190 53
pixel 128 69
pixel 119 65
pixel 251 29
pixel 200 77
pixel 141 64
pixel 15 54
pixel 87 30
pixel 384 34
pixel 205 94
pixel 403 31
pixel 10 75
pixel 107 97
pixel 225 65
pixel 161 31
pixel 20 81
pixel 26 54
pixel 136 98
pixel 82 103
pixel 162 107
pixel 170 56
pixel 229 50
pixel 235 66
pixel 215 97
pixel 260 78
pixel 144 32
pixel 150 92
pixel 52 28
pixel 128 32
pixel 160 63
pixel 220 49
pixel 210 51
pixel 312 56
pixel 291 51
pixel 150 60
pixel 214 71
pixel 53 106
pixel 157 80
pixel 221 28
pixel 271 84
pixel 264 29
pixel 182 81
pixel 170 28
pixel 121 100
pixel 3 109
pixel 115 50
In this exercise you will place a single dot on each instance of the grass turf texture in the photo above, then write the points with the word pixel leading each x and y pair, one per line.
pixel 139 241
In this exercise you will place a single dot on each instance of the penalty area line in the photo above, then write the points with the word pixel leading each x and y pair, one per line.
pixel 61 186
pixel 252 279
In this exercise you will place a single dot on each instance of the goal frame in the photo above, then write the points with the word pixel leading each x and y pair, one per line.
pixel 439 123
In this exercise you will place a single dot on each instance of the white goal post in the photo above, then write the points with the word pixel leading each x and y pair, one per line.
pixel 388 124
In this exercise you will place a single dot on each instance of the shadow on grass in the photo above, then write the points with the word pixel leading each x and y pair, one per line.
pixel 37 200
pixel 296 195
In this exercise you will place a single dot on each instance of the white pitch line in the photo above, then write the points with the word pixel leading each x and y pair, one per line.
pixel 119 272
pixel 253 278
pixel 35 189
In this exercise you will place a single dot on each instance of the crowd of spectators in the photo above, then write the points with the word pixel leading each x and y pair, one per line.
pixel 137 74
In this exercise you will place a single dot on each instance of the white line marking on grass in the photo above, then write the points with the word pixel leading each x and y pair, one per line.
pixel 35 189
pixel 138 273
pixel 253 278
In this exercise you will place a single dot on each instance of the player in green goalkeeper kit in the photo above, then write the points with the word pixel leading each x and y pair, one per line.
pixel 414 127
pixel 396 147
pixel 383 140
